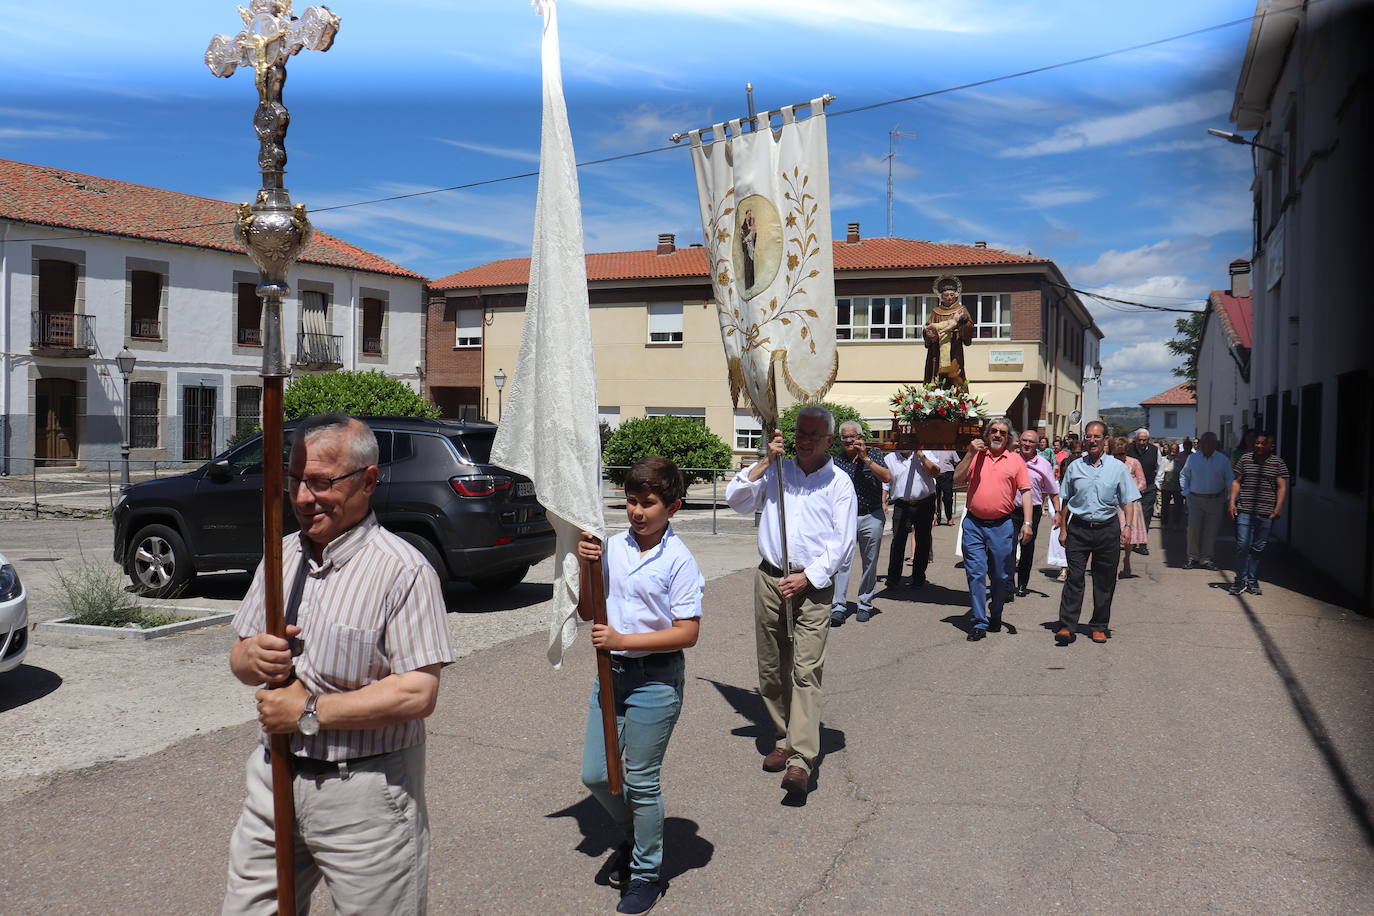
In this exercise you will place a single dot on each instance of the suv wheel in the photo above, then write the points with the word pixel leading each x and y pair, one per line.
pixel 428 551
pixel 158 562
pixel 501 581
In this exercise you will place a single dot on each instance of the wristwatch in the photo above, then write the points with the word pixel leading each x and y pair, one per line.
pixel 309 723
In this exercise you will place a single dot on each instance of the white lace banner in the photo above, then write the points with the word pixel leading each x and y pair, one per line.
pixel 765 210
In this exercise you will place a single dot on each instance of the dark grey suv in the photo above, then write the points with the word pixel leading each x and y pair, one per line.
pixel 472 520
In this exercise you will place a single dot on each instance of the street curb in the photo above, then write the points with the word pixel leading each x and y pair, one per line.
pixel 210 617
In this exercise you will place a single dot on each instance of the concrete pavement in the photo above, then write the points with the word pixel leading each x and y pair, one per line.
pixel 1213 756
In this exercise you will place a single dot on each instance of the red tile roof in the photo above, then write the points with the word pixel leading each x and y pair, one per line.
pixel 46 196
pixel 869 254
pixel 1234 314
pixel 1178 396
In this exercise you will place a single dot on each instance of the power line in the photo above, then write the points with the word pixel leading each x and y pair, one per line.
pixel 836 114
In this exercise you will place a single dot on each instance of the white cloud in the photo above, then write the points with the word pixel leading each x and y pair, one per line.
pixel 650 125
pixel 1169 257
pixel 872 164
pixel 1147 365
pixel 51 133
pixel 1059 197
pixel 502 152
pixel 1127 126
pixel 961 16
pixel 1172 146
pixel 1212 212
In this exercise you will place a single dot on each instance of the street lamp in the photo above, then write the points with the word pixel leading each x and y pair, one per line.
pixel 500 379
pixel 1230 137
pixel 126 361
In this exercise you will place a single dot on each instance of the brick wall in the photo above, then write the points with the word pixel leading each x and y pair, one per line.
pixel 446 366
pixel 1025 314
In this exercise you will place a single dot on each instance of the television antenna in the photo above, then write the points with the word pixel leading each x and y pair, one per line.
pixel 893 136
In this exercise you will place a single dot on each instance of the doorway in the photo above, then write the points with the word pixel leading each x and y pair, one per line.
pixel 198 423
pixel 55 415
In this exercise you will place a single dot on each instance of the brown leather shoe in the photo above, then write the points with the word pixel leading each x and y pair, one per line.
pixel 1098 636
pixel 1063 636
pixel 776 761
pixel 796 780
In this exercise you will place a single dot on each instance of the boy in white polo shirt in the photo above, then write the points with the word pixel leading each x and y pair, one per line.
pixel 653 612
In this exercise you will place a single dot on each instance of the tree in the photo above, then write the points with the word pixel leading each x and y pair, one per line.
pixel 1186 344
pixel 359 394
pixel 841 413
pixel 688 443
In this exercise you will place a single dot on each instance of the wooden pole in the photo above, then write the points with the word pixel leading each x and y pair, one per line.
pixel 782 526
pixel 591 596
pixel 283 794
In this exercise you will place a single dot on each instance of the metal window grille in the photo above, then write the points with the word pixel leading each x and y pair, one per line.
pixel 143 414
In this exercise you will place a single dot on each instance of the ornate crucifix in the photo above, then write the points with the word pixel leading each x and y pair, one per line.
pixel 274 233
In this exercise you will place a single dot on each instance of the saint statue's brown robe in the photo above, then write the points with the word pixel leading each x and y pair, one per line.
pixel 946 333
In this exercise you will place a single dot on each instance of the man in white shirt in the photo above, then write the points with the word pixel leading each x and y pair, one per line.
pixel 820 518
pixel 912 495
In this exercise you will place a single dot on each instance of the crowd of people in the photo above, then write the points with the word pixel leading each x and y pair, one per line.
pixel 357 673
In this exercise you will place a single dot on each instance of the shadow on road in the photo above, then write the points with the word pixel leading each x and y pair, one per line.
pixel 459 597
pixel 26 684
pixel 683 846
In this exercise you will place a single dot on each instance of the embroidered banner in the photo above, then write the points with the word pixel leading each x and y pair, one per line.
pixel 765 210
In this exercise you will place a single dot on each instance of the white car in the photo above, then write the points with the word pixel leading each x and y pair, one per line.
pixel 14 617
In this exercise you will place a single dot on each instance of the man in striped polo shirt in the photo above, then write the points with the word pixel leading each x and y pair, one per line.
pixel 373 633
pixel 1258 493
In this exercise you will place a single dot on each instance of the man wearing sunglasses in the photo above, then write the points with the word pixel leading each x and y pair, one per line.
pixel 369 614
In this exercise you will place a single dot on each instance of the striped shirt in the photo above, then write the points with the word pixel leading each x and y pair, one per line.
pixel 371 608
pixel 1259 483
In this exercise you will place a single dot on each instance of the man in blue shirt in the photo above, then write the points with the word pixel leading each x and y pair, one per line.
pixel 1206 484
pixel 1093 488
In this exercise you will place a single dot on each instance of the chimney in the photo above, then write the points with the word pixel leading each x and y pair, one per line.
pixel 980 244
pixel 1240 278
pixel 852 238
pixel 667 243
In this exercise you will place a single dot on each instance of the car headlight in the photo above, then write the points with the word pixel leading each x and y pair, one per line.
pixel 9 583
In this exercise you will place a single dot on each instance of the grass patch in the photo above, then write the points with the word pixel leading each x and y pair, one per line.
pixel 94 595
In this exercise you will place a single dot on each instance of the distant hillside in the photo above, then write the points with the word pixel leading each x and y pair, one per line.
pixel 1122 421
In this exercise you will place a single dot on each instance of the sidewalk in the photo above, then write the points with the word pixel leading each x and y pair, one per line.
pixel 1213 756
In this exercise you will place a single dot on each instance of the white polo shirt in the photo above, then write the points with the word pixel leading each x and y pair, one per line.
pixel 645 594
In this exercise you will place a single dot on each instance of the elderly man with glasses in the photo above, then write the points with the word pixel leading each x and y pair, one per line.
pixel 868 474
pixel 367 614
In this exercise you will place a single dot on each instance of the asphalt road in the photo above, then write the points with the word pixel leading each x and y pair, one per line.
pixel 1214 756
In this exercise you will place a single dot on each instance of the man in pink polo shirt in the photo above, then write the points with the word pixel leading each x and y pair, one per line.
pixel 994 475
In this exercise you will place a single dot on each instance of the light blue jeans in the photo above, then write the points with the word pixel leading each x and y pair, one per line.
pixel 870 538
pixel 648 695
pixel 1252 536
pixel 989 550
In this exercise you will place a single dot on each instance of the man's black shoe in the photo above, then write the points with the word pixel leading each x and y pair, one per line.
pixel 618 867
pixel 975 635
pixel 1011 596
pixel 1190 564
pixel 1254 589
pixel 1208 564
pixel 1022 592
pixel 1235 588
pixel 641 897
pixel 995 626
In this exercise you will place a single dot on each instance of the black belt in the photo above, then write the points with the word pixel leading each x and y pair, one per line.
pixel 1088 523
pixel 772 570
pixel 912 502
pixel 652 660
pixel 316 768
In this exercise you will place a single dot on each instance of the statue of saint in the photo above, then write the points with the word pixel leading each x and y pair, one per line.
pixel 950 327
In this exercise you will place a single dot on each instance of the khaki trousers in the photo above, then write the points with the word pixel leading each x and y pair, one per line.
pixel 790 670
pixel 367 835
pixel 1204 521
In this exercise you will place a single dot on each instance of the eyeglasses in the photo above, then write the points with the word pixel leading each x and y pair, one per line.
pixel 850 438
pixel 318 485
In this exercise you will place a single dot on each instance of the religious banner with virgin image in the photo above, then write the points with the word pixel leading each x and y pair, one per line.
pixel 765 209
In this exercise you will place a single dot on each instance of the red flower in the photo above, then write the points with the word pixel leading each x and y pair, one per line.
pixel 941 411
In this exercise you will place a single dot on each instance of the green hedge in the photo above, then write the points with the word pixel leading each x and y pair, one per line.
pixel 688 443
pixel 359 394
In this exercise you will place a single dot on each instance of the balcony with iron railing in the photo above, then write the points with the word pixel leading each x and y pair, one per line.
pixel 319 349
pixel 63 333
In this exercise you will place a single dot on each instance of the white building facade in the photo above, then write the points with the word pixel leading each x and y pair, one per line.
pixel 70 301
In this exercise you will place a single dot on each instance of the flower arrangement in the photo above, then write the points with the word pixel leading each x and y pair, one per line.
pixel 918 403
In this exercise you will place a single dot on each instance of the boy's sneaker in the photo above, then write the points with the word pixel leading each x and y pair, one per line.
pixel 1254 589
pixel 837 618
pixel 618 867
pixel 1235 588
pixel 641 897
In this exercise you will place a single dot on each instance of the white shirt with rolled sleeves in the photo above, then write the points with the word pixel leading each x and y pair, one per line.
pixel 903 468
pixel 821 518
pixel 646 593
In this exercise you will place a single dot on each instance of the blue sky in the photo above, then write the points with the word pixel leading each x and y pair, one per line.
pixel 1103 166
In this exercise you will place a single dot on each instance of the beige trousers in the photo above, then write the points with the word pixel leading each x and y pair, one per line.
pixel 1204 521
pixel 790 670
pixel 366 835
